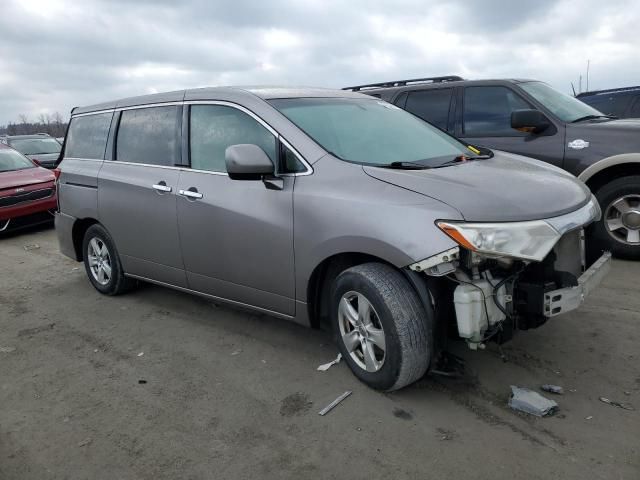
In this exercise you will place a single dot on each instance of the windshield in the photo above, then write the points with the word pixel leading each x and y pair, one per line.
pixel 12 160
pixel 370 132
pixel 565 107
pixel 35 146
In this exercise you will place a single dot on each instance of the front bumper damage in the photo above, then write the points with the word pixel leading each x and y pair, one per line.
pixel 496 295
pixel 566 299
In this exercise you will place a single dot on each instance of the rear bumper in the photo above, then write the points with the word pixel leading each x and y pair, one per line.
pixel 64 231
pixel 566 299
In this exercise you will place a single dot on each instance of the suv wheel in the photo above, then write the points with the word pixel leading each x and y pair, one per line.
pixel 384 332
pixel 619 229
pixel 102 263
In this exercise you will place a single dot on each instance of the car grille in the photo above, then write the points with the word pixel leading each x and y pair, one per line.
pixel 25 197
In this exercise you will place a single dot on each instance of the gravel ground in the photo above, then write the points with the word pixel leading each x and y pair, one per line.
pixel 159 384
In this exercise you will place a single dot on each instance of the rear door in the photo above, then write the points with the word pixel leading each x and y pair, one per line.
pixel 137 192
pixel 433 105
pixel 486 121
pixel 236 235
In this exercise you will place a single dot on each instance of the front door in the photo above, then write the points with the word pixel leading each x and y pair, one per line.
pixel 137 193
pixel 236 235
pixel 486 121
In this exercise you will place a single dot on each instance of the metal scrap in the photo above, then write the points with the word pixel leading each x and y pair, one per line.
pixel 531 402
pixel 624 406
pixel 558 390
pixel 325 366
pixel 333 404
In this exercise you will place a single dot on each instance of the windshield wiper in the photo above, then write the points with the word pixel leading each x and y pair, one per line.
pixel 405 166
pixel 463 159
pixel 593 117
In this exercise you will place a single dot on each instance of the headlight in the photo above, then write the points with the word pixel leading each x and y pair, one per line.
pixel 526 240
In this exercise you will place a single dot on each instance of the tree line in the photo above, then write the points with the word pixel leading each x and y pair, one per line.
pixel 53 124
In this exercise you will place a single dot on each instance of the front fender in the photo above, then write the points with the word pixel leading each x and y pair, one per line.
pixel 600 165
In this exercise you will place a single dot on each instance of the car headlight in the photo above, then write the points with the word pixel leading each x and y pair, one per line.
pixel 525 240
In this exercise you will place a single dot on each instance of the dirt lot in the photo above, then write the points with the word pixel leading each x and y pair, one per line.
pixel 159 384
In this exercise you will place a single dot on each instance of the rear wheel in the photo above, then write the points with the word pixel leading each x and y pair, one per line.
pixel 619 228
pixel 384 332
pixel 102 263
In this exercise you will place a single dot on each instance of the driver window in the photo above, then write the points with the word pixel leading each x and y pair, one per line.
pixel 487 111
pixel 213 128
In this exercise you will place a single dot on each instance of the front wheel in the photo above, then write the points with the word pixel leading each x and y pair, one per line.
pixel 619 229
pixel 384 333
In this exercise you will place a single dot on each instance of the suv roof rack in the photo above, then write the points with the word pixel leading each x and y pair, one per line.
pixel 402 83
pixel 609 90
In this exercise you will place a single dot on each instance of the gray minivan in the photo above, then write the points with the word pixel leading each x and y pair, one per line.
pixel 325 207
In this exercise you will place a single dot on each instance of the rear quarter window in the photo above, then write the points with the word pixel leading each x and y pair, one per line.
pixel 87 136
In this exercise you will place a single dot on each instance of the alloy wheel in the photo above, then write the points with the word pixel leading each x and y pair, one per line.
pixel 99 261
pixel 622 219
pixel 361 331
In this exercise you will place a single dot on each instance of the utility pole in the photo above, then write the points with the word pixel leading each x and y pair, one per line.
pixel 588 64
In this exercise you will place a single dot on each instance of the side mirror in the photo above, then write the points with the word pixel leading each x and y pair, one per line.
pixel 247 162
pixel 529 121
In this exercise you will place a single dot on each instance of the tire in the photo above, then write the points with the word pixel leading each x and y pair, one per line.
pixel 396 313
pixel 617 242
pixel 109 281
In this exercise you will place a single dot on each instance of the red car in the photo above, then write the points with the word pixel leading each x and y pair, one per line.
pixel 27 191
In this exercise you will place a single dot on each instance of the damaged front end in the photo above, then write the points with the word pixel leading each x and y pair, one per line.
pixel 516 275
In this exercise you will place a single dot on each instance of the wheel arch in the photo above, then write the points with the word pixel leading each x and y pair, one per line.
pixel 608 169
pixel 80 227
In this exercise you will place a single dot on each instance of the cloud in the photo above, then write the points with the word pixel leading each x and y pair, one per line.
pixel 56 54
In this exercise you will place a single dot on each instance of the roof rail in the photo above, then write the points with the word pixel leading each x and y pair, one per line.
pixel 402 83
pixel 610 90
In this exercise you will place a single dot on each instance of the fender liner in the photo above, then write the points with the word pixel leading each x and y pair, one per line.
pixel 605 163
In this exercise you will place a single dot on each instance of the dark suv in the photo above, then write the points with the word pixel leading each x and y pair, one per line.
pixel 530 118
pixel 39 147
pixel 620 102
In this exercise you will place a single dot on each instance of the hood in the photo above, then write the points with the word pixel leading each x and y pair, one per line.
pixel 28 176
pixel 44 157
pixel 504 188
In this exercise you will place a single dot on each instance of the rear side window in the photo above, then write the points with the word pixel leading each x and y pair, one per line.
pixel 213 128
pixel 87 136
pixel 431 105
pixel 487 111
pixel 150 136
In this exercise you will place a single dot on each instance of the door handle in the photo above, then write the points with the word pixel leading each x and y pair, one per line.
pixel 161 187
pixel 191 193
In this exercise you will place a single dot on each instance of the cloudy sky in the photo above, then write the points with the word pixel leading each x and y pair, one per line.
pixel 56 54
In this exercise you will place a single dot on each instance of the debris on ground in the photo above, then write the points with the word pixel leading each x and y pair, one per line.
pixel 445 434
pixel 7 349
pixel 326 366
pixel 589 417
pixel 85 442
pixel 333 404
pixel 558 390
pixel 31 246
pixel 531 402
pixel 236 352
pixel 624 406
pixel 142 381
pixel 141 354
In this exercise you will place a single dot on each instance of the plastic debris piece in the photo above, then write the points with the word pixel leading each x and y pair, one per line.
pixel 141 354
pixel 531 402
pixel 236 352
pixel 85 442
pixel 589 417
pixel 326 366
pixel 624 406
pixel 7 349
pixel 553 389
pixel 31 246
pixel 333 404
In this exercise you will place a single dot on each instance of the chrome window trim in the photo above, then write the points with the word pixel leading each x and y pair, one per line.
pixel 307 165
pixel 166 167
pixel 85 159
